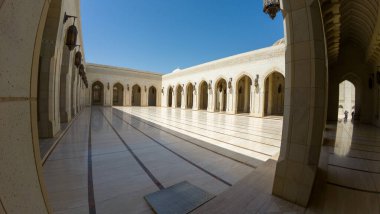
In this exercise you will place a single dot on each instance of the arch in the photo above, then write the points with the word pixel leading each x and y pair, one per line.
pixel 46 74
pixel 118 94
pixel 203 95
pixel 243 94
pixel 152 97
pixel 189 95
pixel 136 95
pixel 170 96
pixel 274 94
pixel 64 87
pixel 346 100
pixel 221 95
pixel 179 91
pixel 97 95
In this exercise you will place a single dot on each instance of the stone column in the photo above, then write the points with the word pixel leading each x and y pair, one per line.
pixel 305 101
pixel 22 180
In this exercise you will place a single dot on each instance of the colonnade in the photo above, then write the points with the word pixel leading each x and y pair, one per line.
pixel 243 95
pixel 117 94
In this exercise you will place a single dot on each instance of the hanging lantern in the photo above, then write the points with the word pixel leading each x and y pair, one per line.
pixel 78 59
pixel 271 7
pixel 72 33
pixel 71 37
pixel 81 70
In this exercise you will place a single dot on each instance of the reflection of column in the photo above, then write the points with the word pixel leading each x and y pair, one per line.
pixel 174 99
pixel 246 94
pixel 221 100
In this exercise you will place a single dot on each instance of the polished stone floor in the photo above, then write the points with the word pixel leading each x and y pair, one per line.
pixel 110 158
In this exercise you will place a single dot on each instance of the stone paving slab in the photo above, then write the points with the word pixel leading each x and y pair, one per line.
pixel 179 198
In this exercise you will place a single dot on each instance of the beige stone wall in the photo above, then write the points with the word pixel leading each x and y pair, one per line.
pixel 260 62
pixel 109 75
pixel 22 25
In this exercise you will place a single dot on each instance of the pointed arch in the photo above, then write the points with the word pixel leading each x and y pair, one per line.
pixel 274 94
pixel 136 95
pixel 97 93
pixel 152 97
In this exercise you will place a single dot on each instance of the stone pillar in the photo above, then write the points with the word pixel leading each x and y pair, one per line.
pixel 305 101
pixel 22 180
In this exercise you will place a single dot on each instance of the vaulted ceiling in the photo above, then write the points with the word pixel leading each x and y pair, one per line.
pixel 354 22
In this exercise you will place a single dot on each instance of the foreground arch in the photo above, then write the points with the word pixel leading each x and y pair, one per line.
pixel 97 93
pixel 136 95
pixel 118 95
pixel 203 95
pixel 274 94
pixel 152 97
pixel 243 94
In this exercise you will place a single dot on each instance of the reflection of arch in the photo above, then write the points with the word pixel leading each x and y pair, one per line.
pixel 220 95
pixel 179 90
pixel 189 95
pixel 243 94
pixel 203 95
pixel 152 97
pixel 274 94
pixel 136 95
pixel 118 95
pixel 170 96
pixel 97 93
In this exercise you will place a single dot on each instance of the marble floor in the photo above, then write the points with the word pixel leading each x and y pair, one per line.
pixel 109 158
pixel 348 180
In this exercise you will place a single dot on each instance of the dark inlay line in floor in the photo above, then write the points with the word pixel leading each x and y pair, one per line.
pixel 227 134
pixel 147 171
pixel 177 135
pixel 206 123
pixel 349 168
pixel 241 147
pixel 180 156
pixel 352 188
pixel 216 121
pixel 227 115
pixel 91 197
pixel 63 132
pixel 254 129
pixel 350 156
pixel 354 149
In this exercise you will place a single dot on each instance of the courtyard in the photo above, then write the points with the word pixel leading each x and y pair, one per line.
pixel 113 157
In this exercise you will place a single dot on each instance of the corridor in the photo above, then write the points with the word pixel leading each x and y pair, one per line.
pixel 110 158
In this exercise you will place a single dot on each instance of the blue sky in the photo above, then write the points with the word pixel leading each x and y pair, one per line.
pixel 161 35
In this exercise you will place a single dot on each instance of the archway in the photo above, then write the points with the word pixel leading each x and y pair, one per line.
pixel 274 94
pixel 170 96
pixel 136 95
pixel 97 93
pixel 46 73
pixel 347 92
pixel 203 95
pixel 152 98
pixel 179 96
pixel 243 94
pixel 221 95
pixel 189 95
pixel 64 87
pixel 118 95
